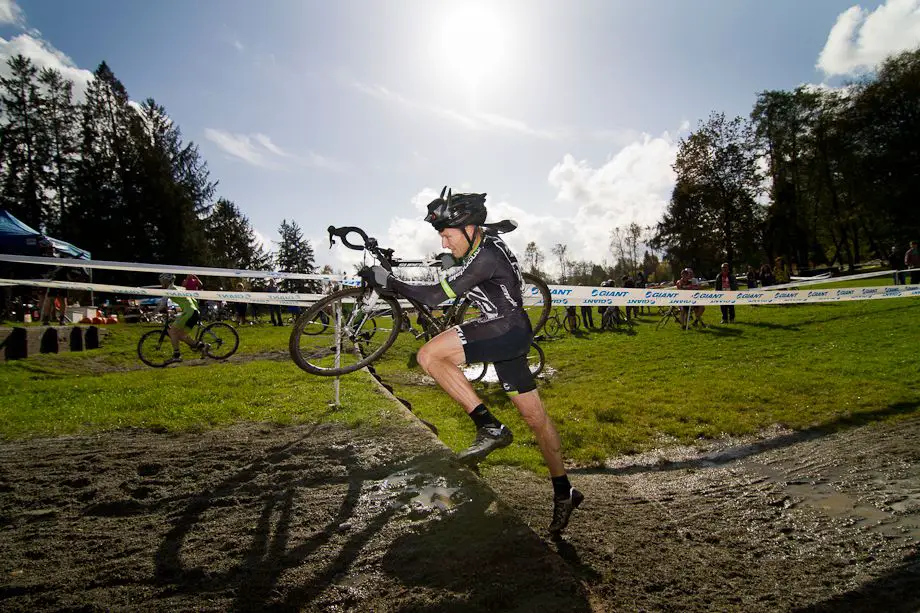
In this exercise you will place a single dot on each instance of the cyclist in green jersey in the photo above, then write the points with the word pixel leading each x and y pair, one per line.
pixel 187 319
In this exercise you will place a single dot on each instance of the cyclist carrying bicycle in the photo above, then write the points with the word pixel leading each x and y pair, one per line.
pixel 188 319
pixel 488 273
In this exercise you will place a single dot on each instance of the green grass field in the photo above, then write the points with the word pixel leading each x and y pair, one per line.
pixel 800 366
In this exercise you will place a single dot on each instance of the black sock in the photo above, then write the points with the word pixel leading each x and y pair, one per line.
pixel 482 418
pixel 562 489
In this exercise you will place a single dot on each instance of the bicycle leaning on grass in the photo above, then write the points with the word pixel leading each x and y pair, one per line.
pixel 220 342
pixel 353 327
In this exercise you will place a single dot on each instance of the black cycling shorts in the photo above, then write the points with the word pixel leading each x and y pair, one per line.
pixel 505 343
pixel 193 320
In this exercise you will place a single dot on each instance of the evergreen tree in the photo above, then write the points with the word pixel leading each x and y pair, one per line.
pixel 106 220
pixel 175 189
pixel 232 240
pixel 23 144
pixel 59 116
pixel 295 254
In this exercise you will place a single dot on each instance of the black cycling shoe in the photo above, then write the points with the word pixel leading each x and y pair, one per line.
pixel 562 511
pixel 488 439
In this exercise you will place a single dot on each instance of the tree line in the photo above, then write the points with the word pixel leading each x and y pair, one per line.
pixel 116 178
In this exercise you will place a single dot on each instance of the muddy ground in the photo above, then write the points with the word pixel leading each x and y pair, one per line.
pixel 322 518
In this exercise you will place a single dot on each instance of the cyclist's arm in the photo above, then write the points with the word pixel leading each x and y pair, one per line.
pixel 458 281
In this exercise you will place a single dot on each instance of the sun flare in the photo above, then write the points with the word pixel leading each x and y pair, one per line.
pixel 472 43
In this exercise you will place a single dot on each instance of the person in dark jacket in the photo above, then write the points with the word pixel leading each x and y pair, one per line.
pixel 725 281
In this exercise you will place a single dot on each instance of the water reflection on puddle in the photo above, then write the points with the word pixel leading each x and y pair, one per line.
pixel 818 494
pixel 419 490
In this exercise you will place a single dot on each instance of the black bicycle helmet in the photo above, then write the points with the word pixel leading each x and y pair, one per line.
pixel 456 210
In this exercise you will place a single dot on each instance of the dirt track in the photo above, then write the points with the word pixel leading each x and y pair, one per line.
pixel 323 518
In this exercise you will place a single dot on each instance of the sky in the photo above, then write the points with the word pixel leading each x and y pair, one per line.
pixel 567 114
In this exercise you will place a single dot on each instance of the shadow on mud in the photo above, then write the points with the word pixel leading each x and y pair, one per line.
pixel 456 553
pixel 897 591
pixel 732 454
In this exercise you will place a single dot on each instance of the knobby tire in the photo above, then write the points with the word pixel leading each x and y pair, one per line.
pixel 327 305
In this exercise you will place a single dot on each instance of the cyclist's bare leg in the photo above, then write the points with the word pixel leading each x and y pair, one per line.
pixel 179 334
pixel 441 358
pixel 530 406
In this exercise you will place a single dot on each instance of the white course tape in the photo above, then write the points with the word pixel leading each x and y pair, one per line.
pixel 628 296
pixel 139 267
pixel 563 295
pixel 258 297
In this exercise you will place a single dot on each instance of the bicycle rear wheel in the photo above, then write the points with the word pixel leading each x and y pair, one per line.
pixel 475 372
pixel 154 348
pixel 537 291
pixel 221 338
pixel 359 327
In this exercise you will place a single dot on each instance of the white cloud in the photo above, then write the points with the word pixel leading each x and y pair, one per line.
pixel 259 150
pixel 860 40
pixel 262 242
pixel 11 13
pixel 634 185
pixel 476 121
pixel 43 55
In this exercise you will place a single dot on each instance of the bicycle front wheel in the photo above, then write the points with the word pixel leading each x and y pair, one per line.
pixel 154 348
pixel 357 328
pixel 222 340
pixel 537 292
pixel 536 359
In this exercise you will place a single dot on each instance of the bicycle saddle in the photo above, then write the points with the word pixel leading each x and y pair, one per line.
pixel 500 227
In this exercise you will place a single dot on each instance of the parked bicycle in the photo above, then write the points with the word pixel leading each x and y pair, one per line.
pixel 569 321
pixel 155 348
pixel 353 327
pixel 672 313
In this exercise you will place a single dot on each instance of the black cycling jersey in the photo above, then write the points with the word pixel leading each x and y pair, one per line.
pixel 490 277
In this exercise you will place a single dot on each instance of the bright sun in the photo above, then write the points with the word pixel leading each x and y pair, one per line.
pixel 473 43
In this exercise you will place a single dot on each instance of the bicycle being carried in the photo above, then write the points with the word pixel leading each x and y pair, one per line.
pixel 220 342
pixel 351 328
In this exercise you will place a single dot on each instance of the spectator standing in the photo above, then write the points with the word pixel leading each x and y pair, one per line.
pixel 912 260
pixel 751 277
pixel 630 310
pixel 725 281
pixel 240 307
pixel 274 309
pixel 641 282
pixel 894 263
pixel 688 281
pixel 766 275
pixel 192 283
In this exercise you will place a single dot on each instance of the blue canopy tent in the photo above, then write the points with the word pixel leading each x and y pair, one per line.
pixel 16 238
